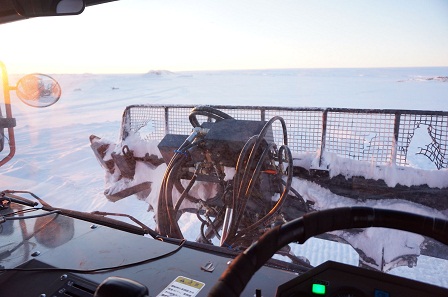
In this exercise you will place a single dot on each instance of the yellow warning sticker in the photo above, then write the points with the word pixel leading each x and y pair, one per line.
pixel 182 287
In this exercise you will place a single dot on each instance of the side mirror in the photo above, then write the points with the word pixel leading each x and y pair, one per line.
pixel 38 8
pixel 38 90
pixel 64 7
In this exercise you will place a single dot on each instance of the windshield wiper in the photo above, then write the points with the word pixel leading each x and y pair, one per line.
pixel 7 197
pixel 100 218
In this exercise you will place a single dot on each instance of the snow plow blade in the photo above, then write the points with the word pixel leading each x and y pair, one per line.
pixel 121 165
pixel 144 187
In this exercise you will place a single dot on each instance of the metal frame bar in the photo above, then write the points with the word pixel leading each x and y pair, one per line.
pixel 7 101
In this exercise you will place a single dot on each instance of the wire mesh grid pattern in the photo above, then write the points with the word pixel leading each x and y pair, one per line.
pixel 304 128
pixel 361 136
pixel 137 117
pixel 177 121
pixel 377 136
pixel 428 128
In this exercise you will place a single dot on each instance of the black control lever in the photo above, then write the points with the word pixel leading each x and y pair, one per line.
pixel 118 287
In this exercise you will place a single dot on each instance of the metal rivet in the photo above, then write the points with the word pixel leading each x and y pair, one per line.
pixel 42 295
pixel 63 277
pixel 93 226
pixel 35 254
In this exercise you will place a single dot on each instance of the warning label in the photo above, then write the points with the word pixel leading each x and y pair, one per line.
pixel 182 287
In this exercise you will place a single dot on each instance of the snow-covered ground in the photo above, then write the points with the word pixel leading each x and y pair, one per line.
pixel 54 159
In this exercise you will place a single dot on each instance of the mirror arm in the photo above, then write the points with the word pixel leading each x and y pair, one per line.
pixel 8 110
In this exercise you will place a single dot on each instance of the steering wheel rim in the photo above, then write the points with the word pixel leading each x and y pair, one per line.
pixel 235 278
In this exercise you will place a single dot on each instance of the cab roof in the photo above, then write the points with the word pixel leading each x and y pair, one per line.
pixel 10 9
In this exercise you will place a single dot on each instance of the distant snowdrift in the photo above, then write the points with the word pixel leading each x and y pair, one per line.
pixel 159 72
pixel 422 78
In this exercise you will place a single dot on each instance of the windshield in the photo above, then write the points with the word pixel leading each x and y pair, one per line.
pixel 316 64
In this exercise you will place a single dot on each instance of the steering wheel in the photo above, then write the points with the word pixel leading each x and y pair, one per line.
pixel 235 278
pixel 206 111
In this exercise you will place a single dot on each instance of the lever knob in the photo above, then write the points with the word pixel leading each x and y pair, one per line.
pixel 118 287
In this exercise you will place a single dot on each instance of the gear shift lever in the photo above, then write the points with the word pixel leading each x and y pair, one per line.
pixel 118 287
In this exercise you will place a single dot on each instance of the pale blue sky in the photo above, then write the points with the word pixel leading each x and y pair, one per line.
pixel 135 36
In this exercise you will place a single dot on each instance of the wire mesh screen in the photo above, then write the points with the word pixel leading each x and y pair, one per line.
pixel 177 120
pixel 376 136
pixel 250 114
pixel 362 136
pixel 304 128
pixel 150 121
pixel 423 134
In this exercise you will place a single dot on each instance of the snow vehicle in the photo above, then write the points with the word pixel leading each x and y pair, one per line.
pixel 240 184
pixel 240 170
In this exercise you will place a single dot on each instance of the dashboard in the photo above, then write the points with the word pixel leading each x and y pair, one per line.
pixel 335 279
pixel 57 256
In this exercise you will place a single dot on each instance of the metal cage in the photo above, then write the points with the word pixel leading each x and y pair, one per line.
pixel 372 135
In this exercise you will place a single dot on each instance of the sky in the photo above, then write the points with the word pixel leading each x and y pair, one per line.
pixel 136 36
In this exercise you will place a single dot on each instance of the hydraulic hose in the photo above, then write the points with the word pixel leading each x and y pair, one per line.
pixel 280 201
pixel 206 111
pixel 164 206
pixel 247 172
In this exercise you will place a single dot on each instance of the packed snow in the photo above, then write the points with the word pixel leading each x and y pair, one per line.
pixel 54 159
